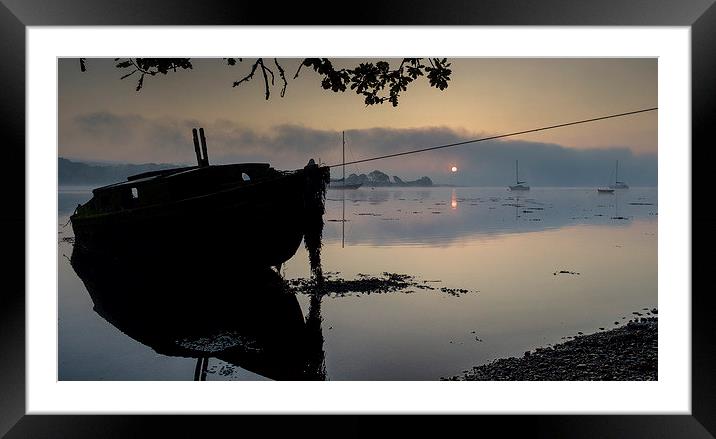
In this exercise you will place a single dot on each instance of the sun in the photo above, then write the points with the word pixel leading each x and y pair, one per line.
pixel 453 169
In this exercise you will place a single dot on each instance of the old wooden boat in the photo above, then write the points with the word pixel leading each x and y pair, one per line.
pixel 249 212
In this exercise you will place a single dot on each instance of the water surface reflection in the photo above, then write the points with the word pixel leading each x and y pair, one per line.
pixel 444 215
pixel 204 308
pixel 202 317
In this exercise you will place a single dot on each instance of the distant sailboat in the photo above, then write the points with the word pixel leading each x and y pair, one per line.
pixel 618 184
pixel 520 185
pixel 605 190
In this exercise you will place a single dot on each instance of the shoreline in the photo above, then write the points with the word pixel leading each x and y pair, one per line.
pixel 626 353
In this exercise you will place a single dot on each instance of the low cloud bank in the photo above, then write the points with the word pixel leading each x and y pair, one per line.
pixel 136 139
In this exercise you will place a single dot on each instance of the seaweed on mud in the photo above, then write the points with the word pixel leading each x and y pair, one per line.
pixel 367 284
pixel 457 292
pixel 565 272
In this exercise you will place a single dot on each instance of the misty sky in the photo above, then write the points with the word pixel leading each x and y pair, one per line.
pixel 102 118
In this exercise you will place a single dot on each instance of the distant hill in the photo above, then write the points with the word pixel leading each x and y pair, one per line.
pixel 379 179
pixel 77 173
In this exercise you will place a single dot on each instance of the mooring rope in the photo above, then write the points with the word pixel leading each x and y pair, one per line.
pixel 500 136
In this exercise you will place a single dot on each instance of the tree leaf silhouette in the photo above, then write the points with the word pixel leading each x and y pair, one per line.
pixel 376 81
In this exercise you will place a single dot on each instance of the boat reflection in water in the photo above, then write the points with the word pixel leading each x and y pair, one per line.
pixel 204 307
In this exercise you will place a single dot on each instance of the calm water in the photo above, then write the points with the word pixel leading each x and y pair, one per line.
pixel 502 247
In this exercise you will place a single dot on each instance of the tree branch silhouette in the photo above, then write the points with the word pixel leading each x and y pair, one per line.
pixel 376 81
pixel 281 73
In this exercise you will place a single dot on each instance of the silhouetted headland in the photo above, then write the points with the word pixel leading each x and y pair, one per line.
pixel 380 179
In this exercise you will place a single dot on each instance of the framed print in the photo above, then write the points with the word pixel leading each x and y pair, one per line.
pixel 472 232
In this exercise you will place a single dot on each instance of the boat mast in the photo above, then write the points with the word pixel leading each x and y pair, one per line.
pixel 517 172
pixel 343 221
pixel 197 147
pixel 202 160
pixel 616 175
pixel 202 137
pixel 344 158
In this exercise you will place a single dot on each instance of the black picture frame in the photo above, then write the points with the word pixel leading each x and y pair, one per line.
pixel 15 15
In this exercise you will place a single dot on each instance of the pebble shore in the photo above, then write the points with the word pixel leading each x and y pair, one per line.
pixel 626 353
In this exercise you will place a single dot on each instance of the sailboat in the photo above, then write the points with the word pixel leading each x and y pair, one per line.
pixel 340 183
pixel 605 190
pixel 618 184
pixel 520 185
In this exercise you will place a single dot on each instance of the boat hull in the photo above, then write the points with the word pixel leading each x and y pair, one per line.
pixel 519 187
pixel 259 224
